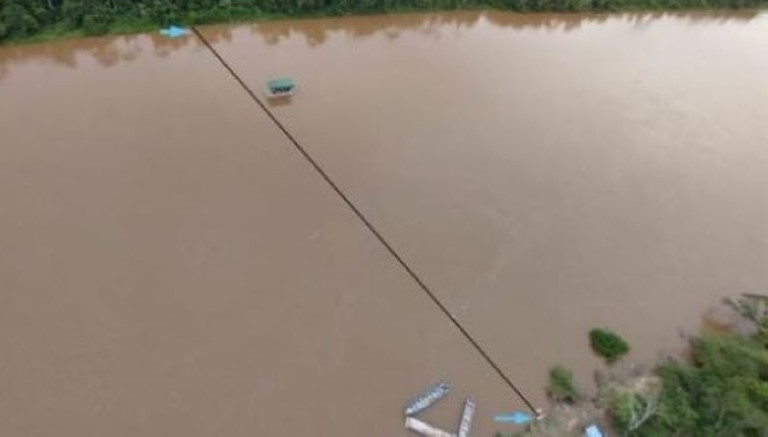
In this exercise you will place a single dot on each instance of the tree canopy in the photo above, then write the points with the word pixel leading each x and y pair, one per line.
pixel 722 392
pixel 20 19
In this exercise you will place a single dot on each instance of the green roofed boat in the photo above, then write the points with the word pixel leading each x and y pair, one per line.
pixel 280 87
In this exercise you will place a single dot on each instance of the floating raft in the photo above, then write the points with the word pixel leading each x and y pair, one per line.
pixel 425 429
pixel 427 398
pixel 281 87
pixel 466 418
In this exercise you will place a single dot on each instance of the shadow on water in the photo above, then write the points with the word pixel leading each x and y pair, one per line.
pixel 109 51
pixel 279 102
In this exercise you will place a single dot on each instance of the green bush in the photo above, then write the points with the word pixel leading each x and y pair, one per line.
pixel 96 20
pixel 607 344
pixel 724 392
pixel 629 411
pixel 621 409
pixel 561 387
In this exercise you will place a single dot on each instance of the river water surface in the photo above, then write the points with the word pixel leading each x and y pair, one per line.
pixel 170 265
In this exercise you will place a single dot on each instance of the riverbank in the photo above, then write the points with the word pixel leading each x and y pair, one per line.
pixel 67 19
pixel 718 388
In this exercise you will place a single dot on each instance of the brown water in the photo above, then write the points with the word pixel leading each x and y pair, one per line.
pixel 171 266
pixel 544 174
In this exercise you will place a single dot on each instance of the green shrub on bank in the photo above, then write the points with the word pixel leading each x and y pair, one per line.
pixel 722 392
pixel 20 19
pixel 720 389
pixel 607 344
pixel 629 411
pixel 562 387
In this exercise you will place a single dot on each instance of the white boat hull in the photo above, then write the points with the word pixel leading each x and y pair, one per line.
pixel 466 418
pixel 425 429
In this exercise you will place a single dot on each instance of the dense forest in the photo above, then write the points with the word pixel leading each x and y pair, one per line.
pixel 25 19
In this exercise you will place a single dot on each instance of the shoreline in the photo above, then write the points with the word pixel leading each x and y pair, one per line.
pixel 128 27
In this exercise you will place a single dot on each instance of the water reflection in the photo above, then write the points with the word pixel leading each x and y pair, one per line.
pixel 569 22
pixel 316 32
pixel 106 51
pixel 109 51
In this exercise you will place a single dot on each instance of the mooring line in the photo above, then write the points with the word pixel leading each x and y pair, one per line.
pixel 366 222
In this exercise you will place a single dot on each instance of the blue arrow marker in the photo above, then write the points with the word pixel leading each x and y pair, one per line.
pixel 174 31
pixel 518 418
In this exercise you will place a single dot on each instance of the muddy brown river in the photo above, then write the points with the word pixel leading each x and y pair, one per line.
pixel 171 265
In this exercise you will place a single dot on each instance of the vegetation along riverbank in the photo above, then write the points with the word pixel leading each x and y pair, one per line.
pixel 22 20
pixel 720 389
